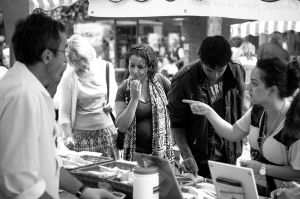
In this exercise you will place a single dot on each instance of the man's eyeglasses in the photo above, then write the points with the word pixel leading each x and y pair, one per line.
pixel 66 51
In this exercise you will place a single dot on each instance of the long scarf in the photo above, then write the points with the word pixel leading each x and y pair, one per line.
pixel 162 140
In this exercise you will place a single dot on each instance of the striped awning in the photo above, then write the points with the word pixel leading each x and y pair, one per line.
pixel 267 27
pixel 49 4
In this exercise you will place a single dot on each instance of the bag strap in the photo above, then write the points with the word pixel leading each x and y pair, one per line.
pixel 107 84
pixel 107 80
pixel 256 114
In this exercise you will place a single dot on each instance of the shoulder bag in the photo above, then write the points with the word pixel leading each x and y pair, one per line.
pixel 120 135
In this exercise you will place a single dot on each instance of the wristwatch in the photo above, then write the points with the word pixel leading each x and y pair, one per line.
pixel 262 170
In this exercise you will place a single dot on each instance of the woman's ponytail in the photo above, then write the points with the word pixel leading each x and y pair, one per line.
pixel 293 77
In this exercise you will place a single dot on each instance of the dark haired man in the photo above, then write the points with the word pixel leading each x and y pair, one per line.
pixel 29 167
pixel 217 81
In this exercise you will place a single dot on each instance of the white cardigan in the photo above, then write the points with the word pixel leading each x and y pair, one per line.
pixel 67 92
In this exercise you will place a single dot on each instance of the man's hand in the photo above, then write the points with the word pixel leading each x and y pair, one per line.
pixel 69 143
pixel 283 193
pixel 107 108
pixel 189 165
pixel 92 193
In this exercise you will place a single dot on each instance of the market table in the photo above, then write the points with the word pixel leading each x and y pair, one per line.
pixel 87 176
pixel 65 195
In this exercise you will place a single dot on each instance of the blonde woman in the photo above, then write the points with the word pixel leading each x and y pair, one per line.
pixel 83 105
pixel 247 59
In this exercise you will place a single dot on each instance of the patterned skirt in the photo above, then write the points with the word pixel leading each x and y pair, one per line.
pixel 102 141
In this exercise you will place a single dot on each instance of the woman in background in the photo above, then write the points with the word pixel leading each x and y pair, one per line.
pixel 271 82
pixel 169 68
pixel 248 60
pixel 235 43
pixel 141 106
pixel 84 110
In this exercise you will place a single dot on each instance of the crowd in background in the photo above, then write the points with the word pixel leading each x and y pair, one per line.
pixel 230 93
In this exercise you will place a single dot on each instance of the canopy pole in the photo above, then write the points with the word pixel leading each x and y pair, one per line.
pixel 13 10
pixel 137 30
pixel 116 44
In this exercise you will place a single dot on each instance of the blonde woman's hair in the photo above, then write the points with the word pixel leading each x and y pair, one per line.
pixel 81 47
pixel 248 49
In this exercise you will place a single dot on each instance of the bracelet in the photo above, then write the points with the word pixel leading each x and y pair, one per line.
pixel 80 191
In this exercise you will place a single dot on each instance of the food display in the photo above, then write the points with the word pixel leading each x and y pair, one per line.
pixel 186 178
pixel 123 181
pixel 92 175
pixel 74 160
pixel 123 175
pixel 118 195
pixel 119 175
pixel 199 188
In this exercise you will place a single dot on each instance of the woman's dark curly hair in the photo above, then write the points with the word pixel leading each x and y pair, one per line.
pixel 147 54
pixel 292 121
pixel 278 73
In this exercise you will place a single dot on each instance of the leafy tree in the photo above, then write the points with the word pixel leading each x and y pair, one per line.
pixel 69 15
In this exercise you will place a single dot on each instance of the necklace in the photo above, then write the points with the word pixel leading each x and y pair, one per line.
pixel 271 130
pixel 264 133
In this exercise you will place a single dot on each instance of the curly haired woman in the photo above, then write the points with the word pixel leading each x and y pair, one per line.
pixel 141 106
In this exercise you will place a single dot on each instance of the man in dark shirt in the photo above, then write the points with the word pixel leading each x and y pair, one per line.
pixel 217 81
